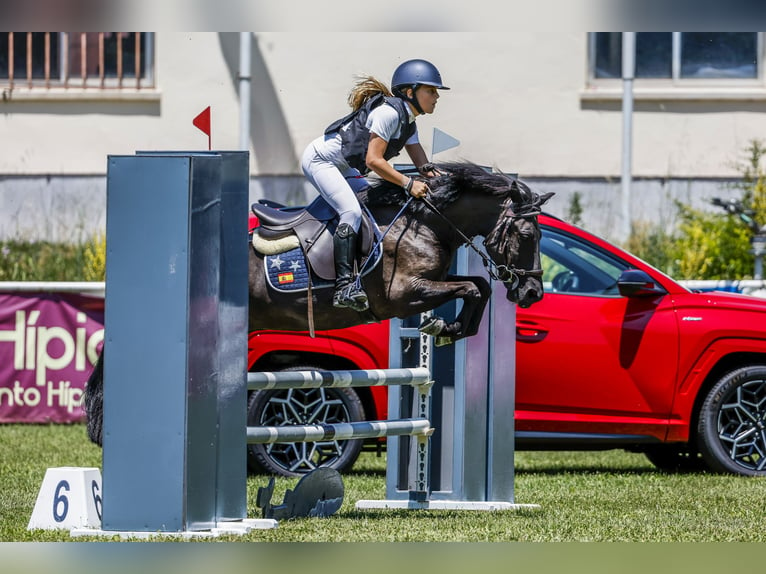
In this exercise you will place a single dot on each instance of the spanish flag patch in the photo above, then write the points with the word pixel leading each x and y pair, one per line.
pixel 283 278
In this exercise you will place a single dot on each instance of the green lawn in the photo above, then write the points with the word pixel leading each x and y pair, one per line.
pixel 606 496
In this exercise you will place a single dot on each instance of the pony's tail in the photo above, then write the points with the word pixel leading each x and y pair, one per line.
pixel 94 402
pixel 364 88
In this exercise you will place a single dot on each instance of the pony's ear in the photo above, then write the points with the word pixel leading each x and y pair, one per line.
pixel 546 196
pixel 516 192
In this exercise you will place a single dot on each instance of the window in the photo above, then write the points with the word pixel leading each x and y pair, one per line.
pixel 100 60
pixel 679 55
pixel 574 267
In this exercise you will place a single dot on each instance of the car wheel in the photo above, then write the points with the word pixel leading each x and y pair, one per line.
pixel 675 458
pixel 303 407
pixel 732 423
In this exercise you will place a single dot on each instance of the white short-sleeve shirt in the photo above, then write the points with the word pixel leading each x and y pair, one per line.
pixel 383 121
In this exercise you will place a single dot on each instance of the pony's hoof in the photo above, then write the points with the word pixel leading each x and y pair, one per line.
pixel 442 341
pixel 432 326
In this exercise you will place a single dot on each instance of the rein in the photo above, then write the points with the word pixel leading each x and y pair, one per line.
pixel 503 273
pixel 379 240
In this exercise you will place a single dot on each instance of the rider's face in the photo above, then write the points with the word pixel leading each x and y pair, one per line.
pixel 427 96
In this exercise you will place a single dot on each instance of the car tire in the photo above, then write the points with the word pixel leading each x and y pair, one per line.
pixel 732 424
pixel 675 458
pixel 303 406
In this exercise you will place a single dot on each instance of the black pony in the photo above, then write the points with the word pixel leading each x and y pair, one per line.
pixel 413 276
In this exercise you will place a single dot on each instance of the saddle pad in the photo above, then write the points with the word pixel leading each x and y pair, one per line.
pixel 287 272
pixel 274 246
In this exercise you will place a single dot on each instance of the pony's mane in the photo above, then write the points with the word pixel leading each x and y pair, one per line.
pixel 446 188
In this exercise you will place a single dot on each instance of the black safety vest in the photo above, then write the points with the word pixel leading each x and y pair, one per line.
pixel 355 137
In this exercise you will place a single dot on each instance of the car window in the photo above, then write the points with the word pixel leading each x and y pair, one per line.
pixel 572 266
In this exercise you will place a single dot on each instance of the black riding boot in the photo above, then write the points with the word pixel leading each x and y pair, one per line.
pixel 347 292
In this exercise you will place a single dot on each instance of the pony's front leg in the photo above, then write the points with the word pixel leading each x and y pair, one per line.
pixel 475 292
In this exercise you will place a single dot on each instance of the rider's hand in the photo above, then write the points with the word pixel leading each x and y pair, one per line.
pixel 416 188
pixel 419 189
pixel 428 170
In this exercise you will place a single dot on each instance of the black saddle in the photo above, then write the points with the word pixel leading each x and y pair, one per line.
pixel 314 226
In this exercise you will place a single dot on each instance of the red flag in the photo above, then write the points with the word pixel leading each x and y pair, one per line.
pixel 202 121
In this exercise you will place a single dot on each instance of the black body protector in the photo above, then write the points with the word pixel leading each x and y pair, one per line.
pixel 355 136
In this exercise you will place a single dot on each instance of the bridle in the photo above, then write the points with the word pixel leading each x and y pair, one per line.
pixel 507 274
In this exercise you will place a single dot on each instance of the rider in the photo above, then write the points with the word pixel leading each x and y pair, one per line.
pixel 336 162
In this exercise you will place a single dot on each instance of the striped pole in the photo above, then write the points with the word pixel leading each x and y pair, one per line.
pixel 335 379
pixel 342 431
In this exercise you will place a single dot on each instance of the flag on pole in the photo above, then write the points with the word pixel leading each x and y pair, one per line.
pixel 202 122
pixel 443 142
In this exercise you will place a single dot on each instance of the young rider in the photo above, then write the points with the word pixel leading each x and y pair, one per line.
pixel 377 130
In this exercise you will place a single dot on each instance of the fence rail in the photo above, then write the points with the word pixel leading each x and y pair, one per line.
pixel 755 287
pixel 90 287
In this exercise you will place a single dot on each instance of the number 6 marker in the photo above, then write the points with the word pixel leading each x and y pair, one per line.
pixel 70 497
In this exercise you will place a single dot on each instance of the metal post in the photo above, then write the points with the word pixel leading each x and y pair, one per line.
pixel 628 72
pixel 245 46
pixel 471 462
pixel 231 345
pixel 759 249
pixel 162 300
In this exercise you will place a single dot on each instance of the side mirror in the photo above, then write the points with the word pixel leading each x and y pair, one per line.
pixel 637 283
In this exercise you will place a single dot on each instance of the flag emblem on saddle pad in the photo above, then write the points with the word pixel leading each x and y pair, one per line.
pixel 287 272
pixel 283 278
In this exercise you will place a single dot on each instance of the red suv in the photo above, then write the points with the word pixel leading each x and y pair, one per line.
pixel 616 355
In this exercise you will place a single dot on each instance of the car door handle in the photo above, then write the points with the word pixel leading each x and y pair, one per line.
pixel 530 333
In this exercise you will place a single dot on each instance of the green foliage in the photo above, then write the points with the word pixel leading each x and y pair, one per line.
pixel 574 214
pixel 653 244
pixel 22 260
pixel 705 244
pixel 710 246
pixel 95 258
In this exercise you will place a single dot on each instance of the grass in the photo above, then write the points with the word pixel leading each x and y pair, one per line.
pixel 606 496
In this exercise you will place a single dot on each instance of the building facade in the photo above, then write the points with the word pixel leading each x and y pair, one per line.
pixel 547 108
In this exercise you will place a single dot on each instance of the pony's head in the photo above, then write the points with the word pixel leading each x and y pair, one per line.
pixel 514 244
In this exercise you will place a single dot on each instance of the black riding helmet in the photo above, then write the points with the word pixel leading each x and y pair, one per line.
pixel 414 73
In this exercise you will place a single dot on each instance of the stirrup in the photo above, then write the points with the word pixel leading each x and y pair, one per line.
pixel 351 296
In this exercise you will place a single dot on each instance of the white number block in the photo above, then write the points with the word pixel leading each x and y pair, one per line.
pixel 70 497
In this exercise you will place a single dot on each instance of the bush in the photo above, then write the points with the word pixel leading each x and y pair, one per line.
pixel 95 258
pixel 651 243
pixel 22 260
pixel 710 245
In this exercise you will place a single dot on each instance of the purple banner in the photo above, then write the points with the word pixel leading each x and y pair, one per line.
pixel 49 343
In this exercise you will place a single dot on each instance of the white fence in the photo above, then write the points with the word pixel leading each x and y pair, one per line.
pixel 755 287
pixel 89 287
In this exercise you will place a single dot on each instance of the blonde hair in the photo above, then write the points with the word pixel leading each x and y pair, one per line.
pixel 364 88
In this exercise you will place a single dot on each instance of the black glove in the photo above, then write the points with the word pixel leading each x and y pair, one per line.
pixel 427 167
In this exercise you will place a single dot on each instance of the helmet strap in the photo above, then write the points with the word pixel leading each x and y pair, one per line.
pixel 413 100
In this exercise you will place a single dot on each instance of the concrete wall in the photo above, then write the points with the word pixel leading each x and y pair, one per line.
pixel 74 208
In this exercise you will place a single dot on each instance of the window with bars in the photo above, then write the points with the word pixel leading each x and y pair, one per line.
pixel 86 60
pixel 680 56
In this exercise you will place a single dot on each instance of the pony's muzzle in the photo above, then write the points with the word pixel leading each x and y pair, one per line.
pixel 528 296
